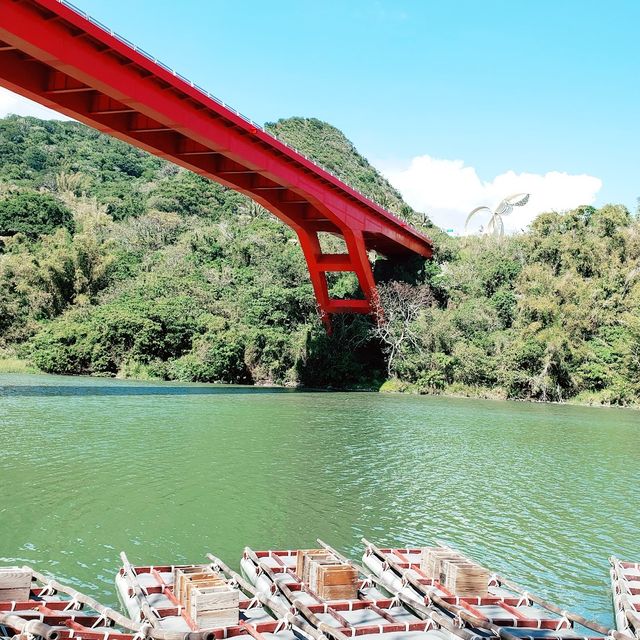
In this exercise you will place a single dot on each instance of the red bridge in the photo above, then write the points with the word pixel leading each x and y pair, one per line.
pixel 53 54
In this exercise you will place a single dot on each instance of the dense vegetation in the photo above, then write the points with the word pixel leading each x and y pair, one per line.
pixel 113 262
pixel 550 314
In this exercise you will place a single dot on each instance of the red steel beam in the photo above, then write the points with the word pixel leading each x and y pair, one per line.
pixel 62 59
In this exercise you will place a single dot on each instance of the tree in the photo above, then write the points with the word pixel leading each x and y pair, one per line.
pixel 399 306
pixel 33 214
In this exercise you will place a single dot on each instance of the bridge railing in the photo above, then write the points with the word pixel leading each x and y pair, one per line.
pixel 209 95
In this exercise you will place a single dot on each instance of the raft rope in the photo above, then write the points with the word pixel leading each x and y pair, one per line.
pixel 564 619
pixel 143 632
pixel 282 626
pixel 458 621
pixel 102 617
pixel 74 605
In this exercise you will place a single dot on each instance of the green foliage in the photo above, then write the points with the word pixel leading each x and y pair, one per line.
pixel 349 357
pixel 505 302
pixel 113 262
pixel 191 195
pixel 101 341
pixel 393 385
pixel 550 314
pixel 33 214
pixel 431 380
pixel 473 366
pixel 214 357
pixel 60 348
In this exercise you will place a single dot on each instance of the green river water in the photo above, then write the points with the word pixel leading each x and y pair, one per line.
pixel 168 472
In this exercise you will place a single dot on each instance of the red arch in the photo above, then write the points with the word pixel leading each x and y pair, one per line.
pixel 52 54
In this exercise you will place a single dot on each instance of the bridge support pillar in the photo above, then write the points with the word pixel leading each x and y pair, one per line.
pixel 312 252
pixel 362 266
pixel 356 260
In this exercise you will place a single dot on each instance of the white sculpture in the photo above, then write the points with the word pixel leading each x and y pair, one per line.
pixel 495 225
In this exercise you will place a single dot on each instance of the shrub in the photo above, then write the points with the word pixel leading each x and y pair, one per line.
pixel 61 348
pixel 215 357
pixel 394 385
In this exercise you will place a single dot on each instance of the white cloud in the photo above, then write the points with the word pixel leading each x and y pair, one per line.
pixel 447 190
pixel 13 103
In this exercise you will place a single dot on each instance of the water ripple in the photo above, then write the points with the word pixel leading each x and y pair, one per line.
pixel 540 493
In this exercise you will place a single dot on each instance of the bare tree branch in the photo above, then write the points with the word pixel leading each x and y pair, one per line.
pixel 398 307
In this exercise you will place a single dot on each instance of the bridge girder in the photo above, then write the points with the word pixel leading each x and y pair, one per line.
pixel 52 54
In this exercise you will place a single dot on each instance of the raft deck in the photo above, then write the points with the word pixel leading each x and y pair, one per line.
pixel 370 613
pixel 625 586
pixel 506 610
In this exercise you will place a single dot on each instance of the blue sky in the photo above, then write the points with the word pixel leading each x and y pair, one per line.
pixel 499 87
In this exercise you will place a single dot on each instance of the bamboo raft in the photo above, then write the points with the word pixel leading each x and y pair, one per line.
pixel 207 600
pixel 356 607
pixel 34 605
pixel 38 607
pixel 625 586
pixel 431 593
pixel 502 608
pixel 435 592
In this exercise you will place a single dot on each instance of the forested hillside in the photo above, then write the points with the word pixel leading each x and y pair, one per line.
pixel 113 262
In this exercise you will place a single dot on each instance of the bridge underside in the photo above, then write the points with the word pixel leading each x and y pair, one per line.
pixel 59 58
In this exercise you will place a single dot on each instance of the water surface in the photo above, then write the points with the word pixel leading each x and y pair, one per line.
pixel 168 472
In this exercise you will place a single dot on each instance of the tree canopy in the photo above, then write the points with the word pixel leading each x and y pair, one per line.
pixel 33 214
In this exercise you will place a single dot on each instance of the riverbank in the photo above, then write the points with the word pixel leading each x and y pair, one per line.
pixel 11 364
pixel 584 399
pixel 158 274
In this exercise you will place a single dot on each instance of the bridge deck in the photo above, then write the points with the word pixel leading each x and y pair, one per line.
pixel 53 54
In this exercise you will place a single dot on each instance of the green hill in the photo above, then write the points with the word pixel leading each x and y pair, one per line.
pixel 329 147
pixel 113 262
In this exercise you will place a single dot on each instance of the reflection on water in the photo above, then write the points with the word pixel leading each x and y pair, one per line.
pixel 131 390
pixel 169 472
